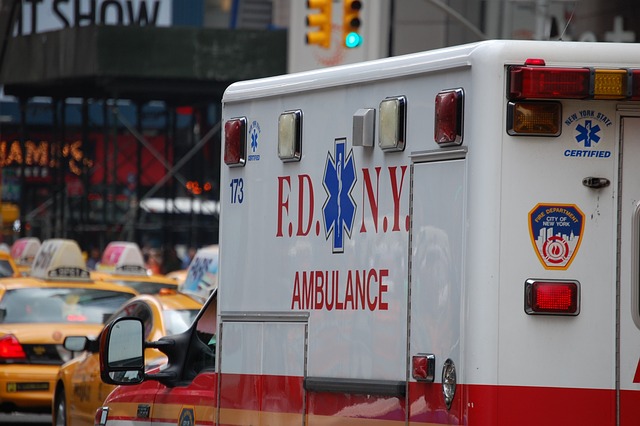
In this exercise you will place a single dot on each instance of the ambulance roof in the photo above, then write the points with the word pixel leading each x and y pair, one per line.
pixel 59 260
pixel 202 274
pixel 494 52
pixel 122 257
pixel 23 250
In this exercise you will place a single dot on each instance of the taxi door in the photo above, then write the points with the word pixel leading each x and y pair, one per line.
pixel 628 341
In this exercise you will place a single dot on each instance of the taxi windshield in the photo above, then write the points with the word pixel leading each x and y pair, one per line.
pixel 59 305
pixel 177 321
pixel 145 287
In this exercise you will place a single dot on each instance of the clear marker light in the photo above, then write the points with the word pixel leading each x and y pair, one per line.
pixel 353 40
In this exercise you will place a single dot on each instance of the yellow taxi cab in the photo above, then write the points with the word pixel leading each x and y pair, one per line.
pixel 122 263
pixel 79 390
pixel 37 312
pixel 23 250
pixel 179 276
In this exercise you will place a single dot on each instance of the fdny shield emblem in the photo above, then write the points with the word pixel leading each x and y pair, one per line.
pixel 187 417
pixel 556 233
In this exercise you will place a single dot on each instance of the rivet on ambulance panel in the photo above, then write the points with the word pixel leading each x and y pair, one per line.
pixel 290 136
pixel 364 126
pixel 393 123
pixel 235 141
pixel 423 367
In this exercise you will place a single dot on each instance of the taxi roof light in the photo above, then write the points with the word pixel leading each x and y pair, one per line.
pixel 61 260
pixel 122 257
pixel 23 250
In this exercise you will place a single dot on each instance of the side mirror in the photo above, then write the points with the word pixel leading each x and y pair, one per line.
pixel 122 352
pixel 75 343
pixel 80 343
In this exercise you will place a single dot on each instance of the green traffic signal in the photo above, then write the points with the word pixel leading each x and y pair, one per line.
pixel 352 40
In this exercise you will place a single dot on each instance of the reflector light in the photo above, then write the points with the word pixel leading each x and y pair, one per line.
pixel 534 118
pixel 10 348
pixel 448 118
pixel 550 83
pixel 610 84
pixel 535 62
pixel 290 136
pixel 423 367
pixel 235 141
pixel 102 413
pixel 552 297
pixel 393 121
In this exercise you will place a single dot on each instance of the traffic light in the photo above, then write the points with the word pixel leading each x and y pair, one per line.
pixel 351 23
pixel 320 19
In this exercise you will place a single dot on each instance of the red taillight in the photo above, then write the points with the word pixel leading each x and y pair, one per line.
pixel 552 297
pixel 10 348
pixel 635 85
pixel 448 118
pixel 235 135
pixel 549 83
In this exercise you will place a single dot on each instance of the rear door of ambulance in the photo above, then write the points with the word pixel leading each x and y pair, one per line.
pixel 629 284
pixel 578 192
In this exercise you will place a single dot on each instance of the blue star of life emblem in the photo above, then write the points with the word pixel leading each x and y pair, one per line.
pixel 339 210
pixel 254 140
pixel 588 133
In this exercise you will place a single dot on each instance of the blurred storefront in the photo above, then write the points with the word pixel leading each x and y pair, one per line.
pixel 109 104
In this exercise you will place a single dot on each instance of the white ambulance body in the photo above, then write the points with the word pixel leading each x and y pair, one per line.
pixel 372 275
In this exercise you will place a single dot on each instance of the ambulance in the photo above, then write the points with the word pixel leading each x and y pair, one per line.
pixel 444 238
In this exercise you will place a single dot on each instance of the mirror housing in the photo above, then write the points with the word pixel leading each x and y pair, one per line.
pixel 75 343
pixel 122 351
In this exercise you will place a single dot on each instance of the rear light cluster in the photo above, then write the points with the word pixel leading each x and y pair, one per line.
pixel 11 349
pixel 550 297
pixel 535 81
pixel 540 82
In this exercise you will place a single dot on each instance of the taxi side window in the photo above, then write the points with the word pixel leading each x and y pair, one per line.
pixel 202 353
pixel 5 269
pixel 143 312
